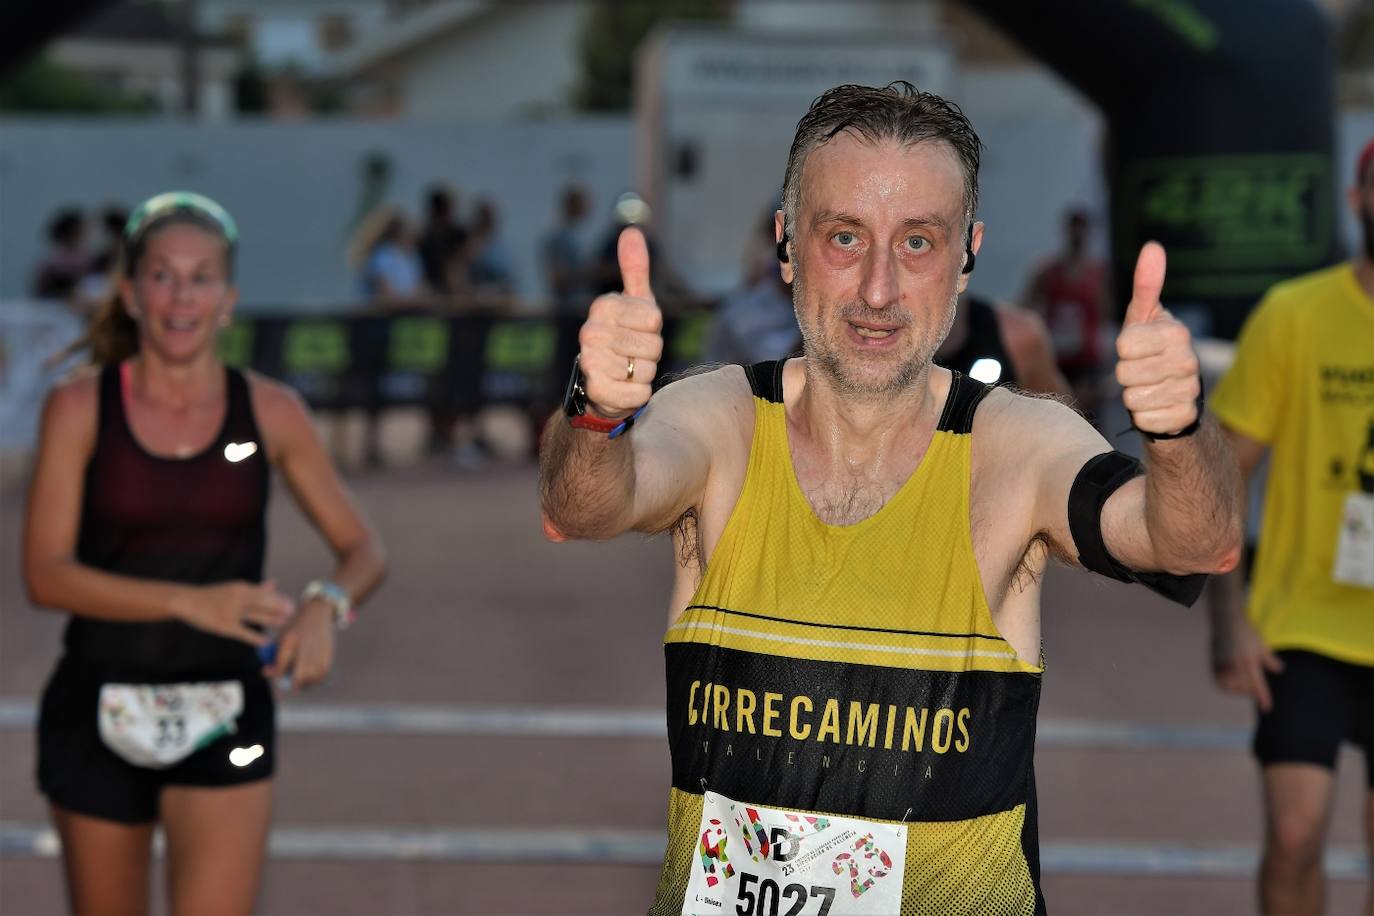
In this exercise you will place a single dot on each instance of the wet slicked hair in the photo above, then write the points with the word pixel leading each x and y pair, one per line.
pixel 899 112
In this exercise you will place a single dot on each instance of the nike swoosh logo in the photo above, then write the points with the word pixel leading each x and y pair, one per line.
pixel 237 451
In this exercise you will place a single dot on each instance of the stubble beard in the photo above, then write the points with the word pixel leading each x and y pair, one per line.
pixel 828 357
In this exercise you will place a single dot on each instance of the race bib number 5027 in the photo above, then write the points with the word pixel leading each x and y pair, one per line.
pixel 756 861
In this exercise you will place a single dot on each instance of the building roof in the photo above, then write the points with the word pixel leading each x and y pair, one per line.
pixel 136 21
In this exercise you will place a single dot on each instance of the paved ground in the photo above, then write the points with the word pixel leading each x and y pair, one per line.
pixel 491 739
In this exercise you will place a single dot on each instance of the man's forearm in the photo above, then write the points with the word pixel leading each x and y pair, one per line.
pixel 1193 502
pixel 586 481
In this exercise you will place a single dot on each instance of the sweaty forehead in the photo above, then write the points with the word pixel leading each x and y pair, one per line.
pixel 850 173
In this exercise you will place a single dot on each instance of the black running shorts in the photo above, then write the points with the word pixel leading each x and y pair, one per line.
pixel 78 772
pixel 1319 704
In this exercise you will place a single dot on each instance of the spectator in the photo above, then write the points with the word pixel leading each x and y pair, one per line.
pixel 95 286
pixel 756 321
pixel 392 273
pixel 443 242
pixel 1069 293
pixel 632 210
pixel 62 268
pixel 490 264
pixel 565 256
pixel 1000 343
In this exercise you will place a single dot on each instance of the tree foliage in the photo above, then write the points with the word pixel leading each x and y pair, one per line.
pixel 612 33
pixel 43 85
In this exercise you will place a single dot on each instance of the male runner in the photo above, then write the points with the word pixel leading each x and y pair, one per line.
pixel 853 659
pixel 1303 385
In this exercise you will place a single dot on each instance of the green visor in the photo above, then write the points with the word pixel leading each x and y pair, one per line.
pixel 172 202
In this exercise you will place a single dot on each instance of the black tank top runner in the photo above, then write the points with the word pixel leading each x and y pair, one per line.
pixel 984 341
pixel 198 520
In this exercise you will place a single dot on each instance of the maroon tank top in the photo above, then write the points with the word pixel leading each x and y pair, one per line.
pixel 197 520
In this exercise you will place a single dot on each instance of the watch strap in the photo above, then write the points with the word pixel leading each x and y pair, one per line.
pixel 336 596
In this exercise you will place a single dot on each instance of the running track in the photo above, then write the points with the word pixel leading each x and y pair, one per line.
pixel 492 738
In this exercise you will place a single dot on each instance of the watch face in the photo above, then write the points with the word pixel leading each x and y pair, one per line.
pixel 575 398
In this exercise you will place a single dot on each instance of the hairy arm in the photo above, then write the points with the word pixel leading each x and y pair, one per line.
pixel 594 487
pixel 1181 517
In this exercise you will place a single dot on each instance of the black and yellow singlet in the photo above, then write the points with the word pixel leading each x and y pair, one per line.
pixel 849 681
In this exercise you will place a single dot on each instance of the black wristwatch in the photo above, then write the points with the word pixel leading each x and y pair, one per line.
pixel 575 407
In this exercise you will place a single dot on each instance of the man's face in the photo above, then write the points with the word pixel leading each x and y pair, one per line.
pixel 877 253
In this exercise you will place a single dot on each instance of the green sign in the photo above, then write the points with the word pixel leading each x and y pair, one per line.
pixel 316 346
pixel 521 346
pixel 1230 213
pixel 235 344
pixel 418 345
pixel 689 338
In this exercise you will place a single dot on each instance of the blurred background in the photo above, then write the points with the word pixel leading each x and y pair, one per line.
pixel 428 195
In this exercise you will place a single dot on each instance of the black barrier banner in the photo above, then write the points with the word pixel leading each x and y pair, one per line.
pixel 455 362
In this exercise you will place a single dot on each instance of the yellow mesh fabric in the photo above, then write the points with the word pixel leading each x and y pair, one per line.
pixel 899 591
pixel 910 566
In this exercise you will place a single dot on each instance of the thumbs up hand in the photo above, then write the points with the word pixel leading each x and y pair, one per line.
pixel 1157 367
pixel 621 341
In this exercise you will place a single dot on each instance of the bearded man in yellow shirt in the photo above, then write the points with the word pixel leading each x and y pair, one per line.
pixel 1302 385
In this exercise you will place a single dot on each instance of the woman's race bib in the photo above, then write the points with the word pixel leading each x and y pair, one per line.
pixel 158 725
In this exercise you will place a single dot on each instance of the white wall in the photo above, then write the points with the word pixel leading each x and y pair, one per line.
pixel 830 16
pixel 519 58
pixel 293 188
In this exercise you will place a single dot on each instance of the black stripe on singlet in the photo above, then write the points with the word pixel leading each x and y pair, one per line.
pixel 859 740
pixel 965 394
pixel 765 379
pixel 839 626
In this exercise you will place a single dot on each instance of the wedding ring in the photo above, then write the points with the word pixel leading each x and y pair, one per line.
pixel 630 369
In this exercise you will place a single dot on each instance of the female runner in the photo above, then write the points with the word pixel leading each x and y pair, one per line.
pixel 146 523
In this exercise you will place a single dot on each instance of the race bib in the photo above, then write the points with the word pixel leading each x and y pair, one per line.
pixel 757 861
pixel 1355 544
pixel 158 725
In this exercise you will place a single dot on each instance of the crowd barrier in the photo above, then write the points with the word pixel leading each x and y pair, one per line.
pixel 460 362
pixel 347 360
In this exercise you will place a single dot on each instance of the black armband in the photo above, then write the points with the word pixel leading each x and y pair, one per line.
pixel 1102 476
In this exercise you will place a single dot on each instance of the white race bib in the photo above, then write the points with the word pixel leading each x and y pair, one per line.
pixel 1355 543
pixel 757 861
pixel 158 725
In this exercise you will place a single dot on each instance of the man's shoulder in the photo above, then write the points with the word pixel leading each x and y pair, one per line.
pixel 1003 404
pixel 709 386
pixel 1018 423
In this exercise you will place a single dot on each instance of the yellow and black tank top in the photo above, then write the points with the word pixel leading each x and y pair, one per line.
pixel 855 671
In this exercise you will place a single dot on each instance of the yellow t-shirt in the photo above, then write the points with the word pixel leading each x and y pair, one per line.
pixel 1303 383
